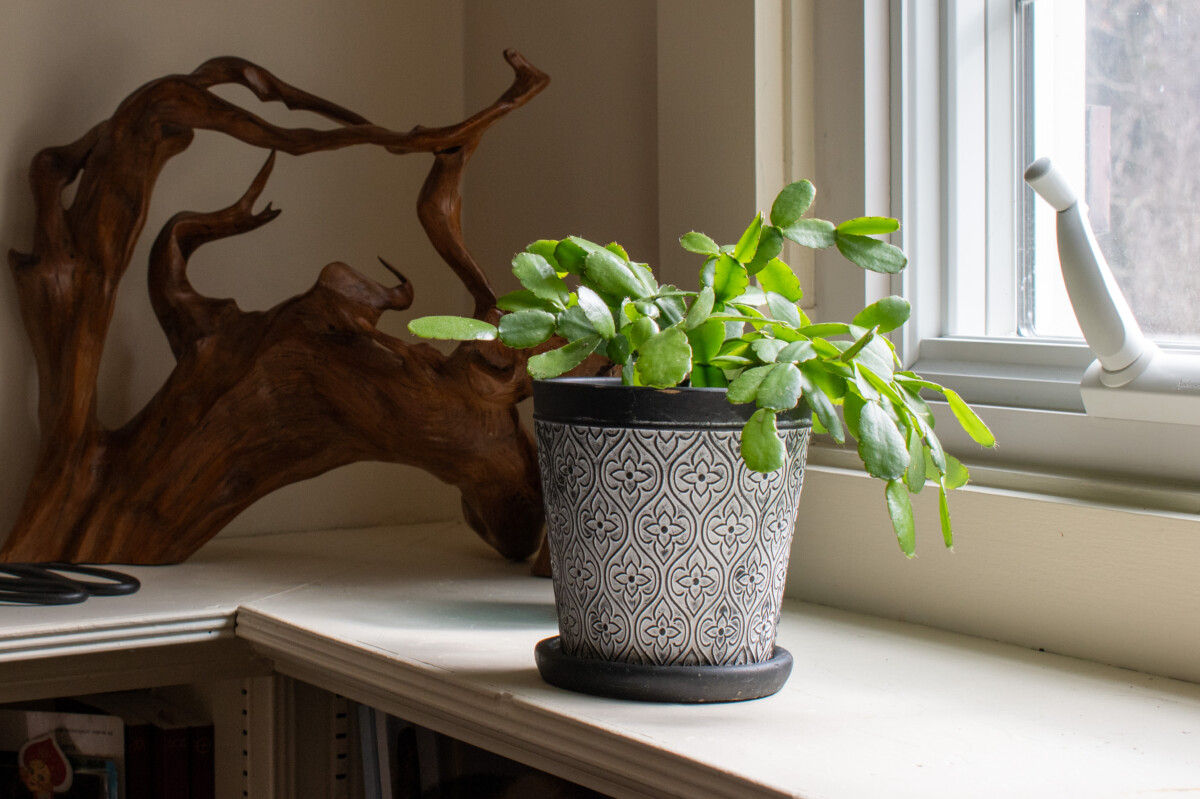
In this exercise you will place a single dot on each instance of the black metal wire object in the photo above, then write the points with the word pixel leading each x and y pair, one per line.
pixel 48 583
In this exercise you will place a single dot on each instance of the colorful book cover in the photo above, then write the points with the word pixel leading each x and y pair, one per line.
pixel 45 755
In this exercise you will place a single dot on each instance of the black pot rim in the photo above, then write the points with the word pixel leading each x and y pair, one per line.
pixel 606 402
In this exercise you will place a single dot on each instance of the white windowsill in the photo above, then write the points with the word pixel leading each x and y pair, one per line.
pixel 426 622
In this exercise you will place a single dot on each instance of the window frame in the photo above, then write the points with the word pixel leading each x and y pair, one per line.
pixel 919 60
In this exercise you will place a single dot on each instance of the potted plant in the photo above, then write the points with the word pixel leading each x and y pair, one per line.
pixel 671 491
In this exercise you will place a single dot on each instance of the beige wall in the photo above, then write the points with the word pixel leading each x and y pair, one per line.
pixel 66 65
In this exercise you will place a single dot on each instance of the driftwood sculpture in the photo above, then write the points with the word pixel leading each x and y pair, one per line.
pixel 256 400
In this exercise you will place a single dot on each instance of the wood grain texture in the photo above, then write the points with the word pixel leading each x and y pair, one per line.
pixel 256 400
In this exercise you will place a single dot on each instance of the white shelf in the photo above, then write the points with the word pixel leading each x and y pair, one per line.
pixel 427 623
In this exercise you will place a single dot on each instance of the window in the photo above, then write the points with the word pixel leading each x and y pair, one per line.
pixel 954 72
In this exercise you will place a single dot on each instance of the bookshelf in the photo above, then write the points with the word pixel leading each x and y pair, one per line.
pixel 426 624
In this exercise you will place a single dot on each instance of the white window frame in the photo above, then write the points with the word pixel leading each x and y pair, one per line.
pixel 936 136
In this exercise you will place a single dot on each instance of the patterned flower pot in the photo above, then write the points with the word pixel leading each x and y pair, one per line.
pixel 669 555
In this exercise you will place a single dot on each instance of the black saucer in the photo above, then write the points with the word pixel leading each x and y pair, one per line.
pixel 689 684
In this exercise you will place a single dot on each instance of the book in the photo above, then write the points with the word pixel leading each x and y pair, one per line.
pixel 178 745
pixel 61 755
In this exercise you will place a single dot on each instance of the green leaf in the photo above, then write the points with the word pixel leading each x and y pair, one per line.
pixel 792 203
pixel 770 244
pixel 573 324
pixel 767 349
pixel 970 422
pixel 780 390
pixel 665 358
pixel 956 474
pixel 762 449
pixel 672 309
pixel 821 406
pixel 872 254
pixel 537 275
pixel 778 277
pixel 701 308
pixel 526 328
pixel 705 376
pixel 881 446
pixel 815 233
pixel 869 225
pixel 886 314
pixel 610 274
pixel 783 309
pixel 744 387
pixel 699 244
pixel 642 272
pixel 859 345
pixel 641 331
pixel 545 248
pixel 899 505
pixel 914 476
pixel 523 300
pixel 618 350
pixel 706 340
pixel 752 296
pixel 747 245
pixel 729 278
pixel 570 255
pixel 597 312
pixel 944 514
pixel 452 328
pixel 797 352
pixel 617 249
pixel 553 363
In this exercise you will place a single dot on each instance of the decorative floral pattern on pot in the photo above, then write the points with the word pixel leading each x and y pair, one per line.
pixel 666 549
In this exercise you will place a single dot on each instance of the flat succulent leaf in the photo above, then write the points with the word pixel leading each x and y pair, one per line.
pixel 701 309
pixel 597 312
pixel 610 274
pixel 886 314
pixel 665 359
pixel 706 376
pixel 706 340
pixel 956 474
pixel 829 384
pixel 869 225
pixel 751 297
pixel 792 203
pixel 545 248
pixel 822 407
pixel 523 300
pixel 672 309
pixel 852 406
pixel 553 363
pixel 871 254
pixel 770 244
pixel 729 278
pixel 762 448
pixel 969 420
pixel 537 275
pixel 618 349
pixel 570 256
pixel 641 330
pixel 780 390
pixel 899 505
pixel 452 328
pixel 643 273
pixel 814 233
pixel 797 352
pixel 944 516
pixel 778 277
pixel 881 446
pixel 784 310
pixel 744 387
pixel 617 249
pixel 526 328
pixel 699 243
pixel 573 324
pixel 767 349
pixel 914 476
pixel 747 246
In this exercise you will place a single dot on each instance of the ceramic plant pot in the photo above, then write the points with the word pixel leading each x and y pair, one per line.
pixel 669 556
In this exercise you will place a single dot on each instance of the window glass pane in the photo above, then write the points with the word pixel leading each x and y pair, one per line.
pixel 1114 98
